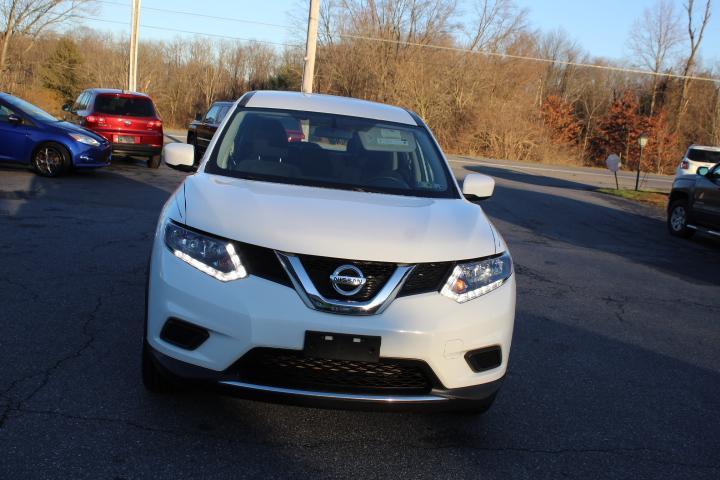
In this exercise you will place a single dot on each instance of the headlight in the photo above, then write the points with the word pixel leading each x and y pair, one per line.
pixel 218 258
pixel 87 140
pixel 473 279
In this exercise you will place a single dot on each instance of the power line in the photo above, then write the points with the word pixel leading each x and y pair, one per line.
pixel 524 57
pixel 167 29
pixel 414 44
pixel 118 22
pixel 193 14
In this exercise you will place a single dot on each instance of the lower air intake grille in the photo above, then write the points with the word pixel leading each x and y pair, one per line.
pixel 291 369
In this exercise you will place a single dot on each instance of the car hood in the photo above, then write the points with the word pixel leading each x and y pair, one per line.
pixel 72 128
pixel 337 223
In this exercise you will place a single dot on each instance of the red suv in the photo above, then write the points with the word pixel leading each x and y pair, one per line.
pixel 127 119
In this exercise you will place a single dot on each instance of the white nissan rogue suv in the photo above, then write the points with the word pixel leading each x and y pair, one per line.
pixel 340 267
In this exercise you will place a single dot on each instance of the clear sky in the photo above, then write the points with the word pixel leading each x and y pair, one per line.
pixel 602 26
pixel 599 26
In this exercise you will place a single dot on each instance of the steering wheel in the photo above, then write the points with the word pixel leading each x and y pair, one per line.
pixel 391 179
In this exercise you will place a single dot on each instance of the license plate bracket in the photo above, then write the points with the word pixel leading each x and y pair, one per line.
pixel 342 346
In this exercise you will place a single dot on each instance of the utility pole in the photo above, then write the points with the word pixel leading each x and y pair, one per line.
pixel 132 70
pixel 310 46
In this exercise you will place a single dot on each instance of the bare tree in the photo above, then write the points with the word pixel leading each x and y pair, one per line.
pixel 497 22
pixel 695 37
pixel 30 18
pixel 559 79
pixel 653 40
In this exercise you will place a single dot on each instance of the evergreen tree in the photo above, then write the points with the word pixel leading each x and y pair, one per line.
pixel 61 72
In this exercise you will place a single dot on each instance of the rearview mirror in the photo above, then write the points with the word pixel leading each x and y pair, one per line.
pixel 179 156
pixel 14 119
pixel 198 116
pixel 702 171
pixel 67 107
pixel 477 187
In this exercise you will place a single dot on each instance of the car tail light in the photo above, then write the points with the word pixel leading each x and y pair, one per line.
pixel 685 165
pixel 155 125
pixel 92 120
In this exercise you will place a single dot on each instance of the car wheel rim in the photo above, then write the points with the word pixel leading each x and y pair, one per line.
pixel 677 219
pixel 48 160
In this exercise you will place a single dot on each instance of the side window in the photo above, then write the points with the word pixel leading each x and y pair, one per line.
pixel 87 101
pixel 78 103
pixel 222 113
pixel 212 114
pixel 5 113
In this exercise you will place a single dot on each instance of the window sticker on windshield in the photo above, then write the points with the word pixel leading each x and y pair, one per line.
pixel 387 133
pixel 391 137
pixel 387 139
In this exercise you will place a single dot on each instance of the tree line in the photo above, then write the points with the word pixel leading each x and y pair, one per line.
pixel 468 72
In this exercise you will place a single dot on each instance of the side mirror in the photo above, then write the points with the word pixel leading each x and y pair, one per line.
pixel 179 156
pixel 67 107
pixel 14 119
pixel 198 117
pixel 477 187
pixel 702 171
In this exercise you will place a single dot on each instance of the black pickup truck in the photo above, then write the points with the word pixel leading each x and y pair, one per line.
pixel 694 203
pixel 202 129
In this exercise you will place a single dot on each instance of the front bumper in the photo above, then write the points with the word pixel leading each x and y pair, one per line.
pixel 458 399
pixel 253 312
pixel 92 157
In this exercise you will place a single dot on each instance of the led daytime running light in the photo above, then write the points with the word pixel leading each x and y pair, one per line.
pixel 474 279
pixel 185 243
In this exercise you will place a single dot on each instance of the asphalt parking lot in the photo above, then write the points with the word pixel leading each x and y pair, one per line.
pixel 614 373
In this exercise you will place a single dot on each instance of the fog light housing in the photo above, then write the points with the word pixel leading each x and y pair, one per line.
pixel 484 358
pixel 183 334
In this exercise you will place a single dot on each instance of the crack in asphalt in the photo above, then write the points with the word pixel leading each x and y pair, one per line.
pixel 47 373
pixel 527 272
pixel 620 302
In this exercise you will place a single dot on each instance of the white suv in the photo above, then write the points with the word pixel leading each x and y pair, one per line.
pixel 697 156
pixel 340 267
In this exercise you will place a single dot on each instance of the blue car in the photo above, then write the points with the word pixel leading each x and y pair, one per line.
pixel 50 146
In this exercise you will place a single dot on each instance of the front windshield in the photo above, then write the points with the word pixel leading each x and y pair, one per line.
pixel 31 110
pixel 325 150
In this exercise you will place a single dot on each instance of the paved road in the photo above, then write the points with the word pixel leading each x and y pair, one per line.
pixel 596 177
pixel 615 368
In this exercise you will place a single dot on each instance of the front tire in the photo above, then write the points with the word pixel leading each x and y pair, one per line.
pixel 677 219
pixel 50 160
